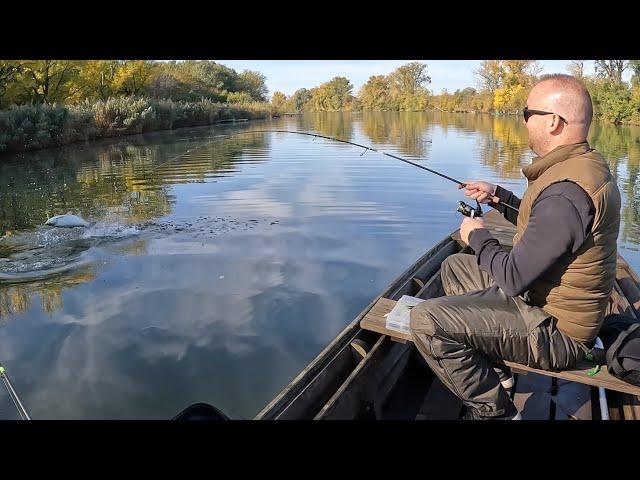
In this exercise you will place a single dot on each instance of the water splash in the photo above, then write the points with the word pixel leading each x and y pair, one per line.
pixel 50 251
pixel 46 251
pixel 110 230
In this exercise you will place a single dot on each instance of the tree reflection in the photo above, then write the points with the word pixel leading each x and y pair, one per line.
pixel 410 132
pixel 337 124
pixel 129 180
pixel 17 298
pixel 620 146
pixel 126 181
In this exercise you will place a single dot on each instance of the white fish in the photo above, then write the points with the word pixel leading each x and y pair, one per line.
pixel 68 220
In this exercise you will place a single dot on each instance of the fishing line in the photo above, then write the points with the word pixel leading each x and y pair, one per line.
pixel 465 209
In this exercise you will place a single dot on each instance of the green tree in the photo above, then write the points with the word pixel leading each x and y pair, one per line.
pixel 254 84
pixel 333 95
pixel 9 71
pixel 634 65
pixel 95 80
pixel 47 81
pixel 612 100
pixel 212 79
pixel 239 97
pixel 301 99
pixel 408 86
pixel 165 84
pixel 611 69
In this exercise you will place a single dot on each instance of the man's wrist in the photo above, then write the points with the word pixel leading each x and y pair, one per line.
pixel 480 235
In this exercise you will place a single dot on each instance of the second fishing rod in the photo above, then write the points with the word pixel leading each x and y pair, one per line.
pixel 462 207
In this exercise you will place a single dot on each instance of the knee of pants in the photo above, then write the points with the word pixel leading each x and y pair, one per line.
pixel 424 316
pixel 455 262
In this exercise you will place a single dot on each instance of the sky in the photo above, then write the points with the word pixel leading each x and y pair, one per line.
pixel 287 76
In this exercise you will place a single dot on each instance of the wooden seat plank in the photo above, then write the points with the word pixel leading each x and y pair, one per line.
pixel 375 321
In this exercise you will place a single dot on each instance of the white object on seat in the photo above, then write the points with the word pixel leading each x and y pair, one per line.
pixel 398 319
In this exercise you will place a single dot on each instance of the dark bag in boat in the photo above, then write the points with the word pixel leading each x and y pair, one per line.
pixel 620 335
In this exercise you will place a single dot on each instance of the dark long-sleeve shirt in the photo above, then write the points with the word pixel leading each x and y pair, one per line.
pixel 509 198
pixel 559 223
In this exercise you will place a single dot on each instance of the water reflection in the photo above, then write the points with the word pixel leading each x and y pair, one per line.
pixel 130 182
pixel 504 147
pixel 114 185
pixel 409 132
pixel 621 147
pixel 339 125
pixel 17 298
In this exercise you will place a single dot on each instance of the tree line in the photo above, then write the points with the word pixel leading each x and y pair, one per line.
pixel 46 103
pixel 403 89
pixel 502 88
pixel 73 81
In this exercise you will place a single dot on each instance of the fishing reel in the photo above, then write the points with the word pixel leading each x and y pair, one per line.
pixel 468 210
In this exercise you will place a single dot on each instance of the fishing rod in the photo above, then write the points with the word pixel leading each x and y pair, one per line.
pixel 462 207
pixel 14 396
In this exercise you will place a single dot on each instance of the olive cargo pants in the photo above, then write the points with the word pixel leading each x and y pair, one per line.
pixel 462 335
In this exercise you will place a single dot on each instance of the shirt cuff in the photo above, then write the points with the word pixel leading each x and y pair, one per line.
pixel 502 193
pixel 478 237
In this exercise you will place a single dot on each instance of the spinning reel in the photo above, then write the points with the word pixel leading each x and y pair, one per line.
pixel 468 210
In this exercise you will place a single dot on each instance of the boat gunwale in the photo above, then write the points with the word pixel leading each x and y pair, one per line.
pixel 316 367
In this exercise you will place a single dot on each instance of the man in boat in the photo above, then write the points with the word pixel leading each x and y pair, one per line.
pixel 542 303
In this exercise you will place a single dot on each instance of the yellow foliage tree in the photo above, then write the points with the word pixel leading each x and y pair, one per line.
pixel 131 76
pixel 96 80
pixel 509 98
pixel 279 101
pixel 375 94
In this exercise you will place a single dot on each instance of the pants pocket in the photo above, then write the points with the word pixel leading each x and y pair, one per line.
pixel 565 351
pixel 533 316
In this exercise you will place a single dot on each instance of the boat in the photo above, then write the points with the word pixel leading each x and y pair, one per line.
pixel 364 374
pixel 233 120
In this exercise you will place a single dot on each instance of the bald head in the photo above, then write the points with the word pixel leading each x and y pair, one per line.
pixel 568 98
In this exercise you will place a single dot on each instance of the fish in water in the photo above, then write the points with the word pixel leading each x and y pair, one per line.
pixel 68 220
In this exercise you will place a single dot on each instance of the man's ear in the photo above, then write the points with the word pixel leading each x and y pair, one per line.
pixel 554 124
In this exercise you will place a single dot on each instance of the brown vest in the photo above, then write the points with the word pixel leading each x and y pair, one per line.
pixel 577 289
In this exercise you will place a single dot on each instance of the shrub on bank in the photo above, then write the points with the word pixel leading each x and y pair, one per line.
pixel 32 127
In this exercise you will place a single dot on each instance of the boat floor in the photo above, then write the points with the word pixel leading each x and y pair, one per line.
pixel 421 396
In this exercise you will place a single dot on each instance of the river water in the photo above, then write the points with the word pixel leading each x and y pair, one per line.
pixel 215 269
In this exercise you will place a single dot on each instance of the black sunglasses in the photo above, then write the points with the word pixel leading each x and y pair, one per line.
pixel 527 113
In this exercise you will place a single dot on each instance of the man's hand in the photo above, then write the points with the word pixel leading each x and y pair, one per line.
pixel 483 192
pixel 468 225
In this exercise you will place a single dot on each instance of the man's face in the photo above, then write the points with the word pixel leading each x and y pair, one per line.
pixel 536 123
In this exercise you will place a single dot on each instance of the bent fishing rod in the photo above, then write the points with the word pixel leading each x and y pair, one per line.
pixel 14 396
pixel 462 207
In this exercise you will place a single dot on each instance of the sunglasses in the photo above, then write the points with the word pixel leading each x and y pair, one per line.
pixel 527 113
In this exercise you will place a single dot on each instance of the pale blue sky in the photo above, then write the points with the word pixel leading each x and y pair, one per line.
pixel 289 75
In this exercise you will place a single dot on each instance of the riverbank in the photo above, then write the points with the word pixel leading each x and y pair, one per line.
pixel 633 122
pixel 35 127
